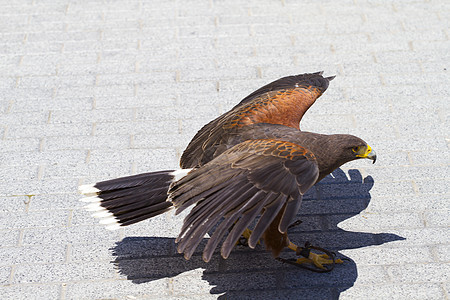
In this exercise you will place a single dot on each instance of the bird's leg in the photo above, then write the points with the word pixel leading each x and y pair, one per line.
pixel 319 260
pixel 296 223
pixel 244 238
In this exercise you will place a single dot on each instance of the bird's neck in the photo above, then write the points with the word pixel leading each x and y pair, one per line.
pixel 318 144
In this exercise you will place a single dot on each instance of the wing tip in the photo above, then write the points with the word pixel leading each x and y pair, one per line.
pixel 88 189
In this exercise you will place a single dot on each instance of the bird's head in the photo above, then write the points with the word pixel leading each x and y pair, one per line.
pixel 352 147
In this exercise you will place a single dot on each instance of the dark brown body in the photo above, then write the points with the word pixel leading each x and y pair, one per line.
pixel 251 161
pixel 274 111
pixel 325 148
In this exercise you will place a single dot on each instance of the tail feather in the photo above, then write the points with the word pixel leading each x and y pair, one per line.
pixel 128 200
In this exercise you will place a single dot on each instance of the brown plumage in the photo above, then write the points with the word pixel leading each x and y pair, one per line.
pixel 251 161
pixel 283 102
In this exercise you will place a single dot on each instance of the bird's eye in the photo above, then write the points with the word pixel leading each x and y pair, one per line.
pixel 356 149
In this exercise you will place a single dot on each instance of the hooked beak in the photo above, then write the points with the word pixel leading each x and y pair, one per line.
pixel 367 153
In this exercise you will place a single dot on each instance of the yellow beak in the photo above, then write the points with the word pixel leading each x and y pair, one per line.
pixel 367 152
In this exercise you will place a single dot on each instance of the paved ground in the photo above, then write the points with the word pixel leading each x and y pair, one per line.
pixel 93 90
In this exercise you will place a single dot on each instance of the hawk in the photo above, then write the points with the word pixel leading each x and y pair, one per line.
pixel 252 161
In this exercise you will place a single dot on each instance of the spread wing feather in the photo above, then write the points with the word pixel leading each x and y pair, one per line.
pixel 269 214
pixel 297 93
pixel 254 177
pixel 308 79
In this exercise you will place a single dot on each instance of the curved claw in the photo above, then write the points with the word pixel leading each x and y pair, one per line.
pixel 322 259
pixel 322 262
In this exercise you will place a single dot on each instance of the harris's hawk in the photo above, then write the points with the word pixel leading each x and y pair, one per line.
pixel 251 161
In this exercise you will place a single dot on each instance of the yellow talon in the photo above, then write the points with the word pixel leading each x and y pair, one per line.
pixel 322 259
pixel 317 259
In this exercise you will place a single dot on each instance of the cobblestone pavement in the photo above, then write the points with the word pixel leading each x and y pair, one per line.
pixel 93 90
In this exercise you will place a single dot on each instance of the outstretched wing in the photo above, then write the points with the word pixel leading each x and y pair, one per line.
pixel 252 178
pixel 283 102
pixel 307 80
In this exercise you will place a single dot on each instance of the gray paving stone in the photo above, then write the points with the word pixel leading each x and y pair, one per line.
pixel 105 115
pixel 432 186
pixel 168 113
pixel 385 255
pixel 437 218
pixel 372 275
pixel 115 67
pixel 131 155
pixel 63 272
pixel 87 142
pixel 193 87
pixel 167 225
pixel 386 57
pixel 121 289
pixel 55 201
pixel 412 79
pixel 409 203
pixel 32 255
pixel 149 65
pixel 66 36
pixel 9 237
pixel 72 69
pixel 426 273
pixel 382 68
pixel 31 291
pixel 331 124
pixel 328 207
pixel 135 78
pixel 405 291
pixel 35 158
pixel 413 144
pixel 306 293
pixel 185 285
pixel 93 251
pixel 7 83
pixel 34 219
pixel 160 140
pixel 65 235
pixel 162 126
pixel 13 204
pixel 228 282
pixel 20 131
pixel 372 47
pixel 82 217
pixel 423 236
pixel 20 145
pixel 81 104
pixel 377 221
pixel 151 267
pixel 81 170
pixel 218 74
pixel 294 279
pixel 26 118
pixel 442 252
pixel 408 172
pixel 336 107
pixel 5 273
pixel 37 27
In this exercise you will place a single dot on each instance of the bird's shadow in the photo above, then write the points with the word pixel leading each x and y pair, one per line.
pixel 253 274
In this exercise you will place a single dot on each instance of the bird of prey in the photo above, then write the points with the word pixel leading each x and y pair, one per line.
pixel 252 161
